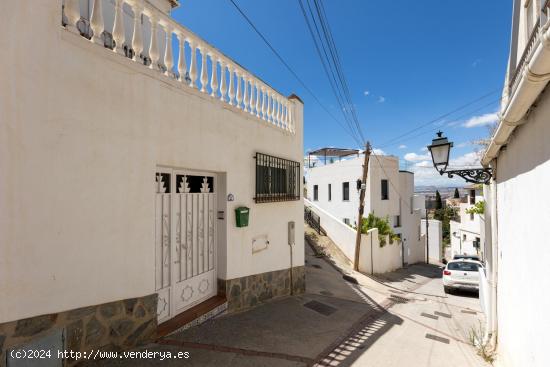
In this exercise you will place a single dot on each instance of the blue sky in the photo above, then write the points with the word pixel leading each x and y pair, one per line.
pixel 406 63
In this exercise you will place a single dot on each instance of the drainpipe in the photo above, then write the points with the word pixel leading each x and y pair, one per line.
pixel 491 250
pixel 495 256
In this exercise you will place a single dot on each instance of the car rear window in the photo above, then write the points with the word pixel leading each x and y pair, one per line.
pixel 463 266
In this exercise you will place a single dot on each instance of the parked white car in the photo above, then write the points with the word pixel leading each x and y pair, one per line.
pixel 461 274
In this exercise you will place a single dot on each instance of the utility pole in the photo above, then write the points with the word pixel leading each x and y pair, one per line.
pixel 427 237
pixel 361 206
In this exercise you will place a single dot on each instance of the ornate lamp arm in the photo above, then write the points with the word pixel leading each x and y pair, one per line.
pixel 474 175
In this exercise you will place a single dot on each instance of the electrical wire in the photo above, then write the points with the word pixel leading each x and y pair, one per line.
pixel 324 41
pixel 249 21
pixel 442 116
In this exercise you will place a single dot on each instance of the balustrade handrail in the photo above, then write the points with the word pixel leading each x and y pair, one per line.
pixel 243 89
pixel 524 56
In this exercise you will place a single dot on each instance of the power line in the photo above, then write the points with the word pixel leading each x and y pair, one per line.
pixel 328 72
pixel 336 58
pixel 249 21
pixel 438 127
pixel 442 116
pixel 331 65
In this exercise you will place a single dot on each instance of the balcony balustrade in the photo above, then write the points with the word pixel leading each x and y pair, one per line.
pixel 532 42
pixel 150 41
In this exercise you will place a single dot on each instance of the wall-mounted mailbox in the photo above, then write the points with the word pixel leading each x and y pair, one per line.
pixel 241 214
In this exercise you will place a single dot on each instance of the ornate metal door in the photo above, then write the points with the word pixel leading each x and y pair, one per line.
pixel 185 245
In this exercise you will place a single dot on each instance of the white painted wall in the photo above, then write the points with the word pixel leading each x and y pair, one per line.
pixel 384 259
pixel 435 239
pixel 340 233
pixel 521 232
pixel 82 131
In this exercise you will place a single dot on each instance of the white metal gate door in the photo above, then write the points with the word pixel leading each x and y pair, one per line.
pixel 185 246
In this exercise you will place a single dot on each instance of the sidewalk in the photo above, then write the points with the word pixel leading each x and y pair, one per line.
pixel 337 322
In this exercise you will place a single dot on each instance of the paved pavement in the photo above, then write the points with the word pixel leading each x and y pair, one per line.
pixel 398 319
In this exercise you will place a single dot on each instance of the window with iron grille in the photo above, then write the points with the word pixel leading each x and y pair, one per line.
pixel 277 179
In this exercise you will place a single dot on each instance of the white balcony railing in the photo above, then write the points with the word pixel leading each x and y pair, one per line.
pixel 534 39
pixel 232 84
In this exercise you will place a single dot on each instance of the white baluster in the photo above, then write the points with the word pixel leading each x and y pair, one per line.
pixel 72 12
pixel 252 101
pixel 204 70
pixel 193 65
pixel 168 55
pixel 277 108
pixel 272 105
pixel 153 46
pixel 269 106
pixel 285 118
pixel 238 96
pixel 96 21
pixel 258 99
pixel 137 37
pixel 182 65
pixel 214 77
pixel 264 103
pixel 245 93
pixel 223 87
pixel 290 118
pixel 118 28
pixel 231 88
pixel 279 112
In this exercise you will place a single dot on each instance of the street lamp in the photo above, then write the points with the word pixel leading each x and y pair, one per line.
pixel 440 151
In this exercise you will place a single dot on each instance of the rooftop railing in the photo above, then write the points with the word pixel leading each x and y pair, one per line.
pixel 534 39
pixel 149 41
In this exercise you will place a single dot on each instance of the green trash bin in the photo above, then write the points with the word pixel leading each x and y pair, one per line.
pixel 241 213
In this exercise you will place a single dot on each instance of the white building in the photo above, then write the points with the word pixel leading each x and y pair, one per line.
pixel 517 214
pixel 389 193
pixel 466 233
pixel 121 175
pixel 434 238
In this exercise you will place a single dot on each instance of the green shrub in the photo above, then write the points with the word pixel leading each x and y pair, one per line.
pixel 384 228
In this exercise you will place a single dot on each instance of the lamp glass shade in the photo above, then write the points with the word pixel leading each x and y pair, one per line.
pixel 440 154
pixel 440 150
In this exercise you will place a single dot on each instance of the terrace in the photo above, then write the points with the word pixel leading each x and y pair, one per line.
pixel 141 32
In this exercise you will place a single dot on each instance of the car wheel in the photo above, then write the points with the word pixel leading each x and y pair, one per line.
pixel 446 289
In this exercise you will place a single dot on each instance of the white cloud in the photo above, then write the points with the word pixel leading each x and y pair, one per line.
pixel 413 157
pixel 461 145
pixel 366 93
pixel 471 159
pixel 423 164
pixel 402 146
pixel 481 120
pixel 424 149
pixel 377 151
pixel 381 99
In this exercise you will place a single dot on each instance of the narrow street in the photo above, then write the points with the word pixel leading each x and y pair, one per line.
pixel 400 319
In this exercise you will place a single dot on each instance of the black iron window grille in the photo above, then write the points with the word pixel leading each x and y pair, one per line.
pixel 277 179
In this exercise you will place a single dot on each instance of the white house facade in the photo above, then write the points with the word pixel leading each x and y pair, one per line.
pixel 125 158
pixel 516 212
pixel 466 233
pixel 389 193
